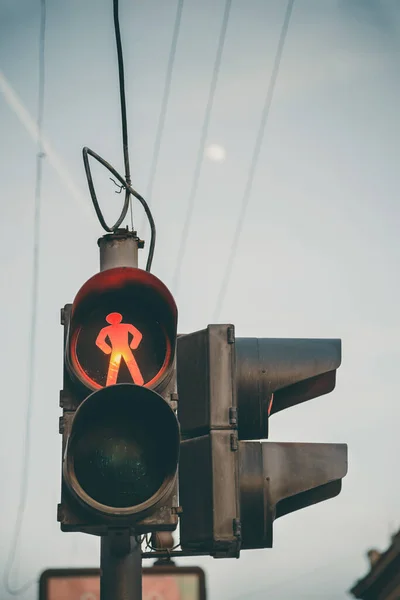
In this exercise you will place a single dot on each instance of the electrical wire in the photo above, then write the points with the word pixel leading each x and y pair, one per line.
pixel 254 162
pixel 164 103
pixel 200 153
pixel 16 591
pixel 86 152
pixel 125 183
pixel 122 97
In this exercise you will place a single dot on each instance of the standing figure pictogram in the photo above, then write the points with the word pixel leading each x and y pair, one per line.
pixel 119 347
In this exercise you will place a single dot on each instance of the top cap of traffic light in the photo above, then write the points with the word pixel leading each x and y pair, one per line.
pixel 122 330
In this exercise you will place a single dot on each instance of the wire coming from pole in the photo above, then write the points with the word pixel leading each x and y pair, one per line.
pixel 200 153
pixel 164 103
pixel 16 591
pixel 124 183
pixel 86 152
pixel 122 97
pixel 254 161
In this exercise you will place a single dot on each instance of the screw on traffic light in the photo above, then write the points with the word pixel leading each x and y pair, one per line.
pixel 228 388
pixel 120 433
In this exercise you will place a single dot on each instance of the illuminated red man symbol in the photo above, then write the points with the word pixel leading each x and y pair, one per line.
pixel 119 347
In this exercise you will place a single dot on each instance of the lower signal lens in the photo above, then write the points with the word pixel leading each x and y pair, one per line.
pixel 118 464
pixel 124 446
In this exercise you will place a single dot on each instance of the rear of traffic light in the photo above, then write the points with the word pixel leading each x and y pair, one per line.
pixel 228 387
pixel 120 432
pixel 274 374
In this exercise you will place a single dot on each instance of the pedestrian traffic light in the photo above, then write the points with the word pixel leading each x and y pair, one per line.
pixel 120 433
pixel 228 388
pixel 111 307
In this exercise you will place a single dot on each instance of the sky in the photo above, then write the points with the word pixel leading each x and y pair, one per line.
pixel 317 255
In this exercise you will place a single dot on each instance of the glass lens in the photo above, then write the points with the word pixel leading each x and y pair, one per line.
pixel 121 345
pixel 119 464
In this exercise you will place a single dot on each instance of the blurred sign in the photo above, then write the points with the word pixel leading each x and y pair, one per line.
pixel 159 583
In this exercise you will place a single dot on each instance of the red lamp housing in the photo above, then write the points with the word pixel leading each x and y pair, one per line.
pixel 122 330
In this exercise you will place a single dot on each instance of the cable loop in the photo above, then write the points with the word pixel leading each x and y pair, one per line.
pixel 124 183
pixel 86 152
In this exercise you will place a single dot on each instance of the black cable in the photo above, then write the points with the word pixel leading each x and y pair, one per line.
pixel 122 100
pixel 86 152
pixel 122 92
pixel 164 102
pixel 32 332
pixel 254 161
pixel 200 153
pixel 125 183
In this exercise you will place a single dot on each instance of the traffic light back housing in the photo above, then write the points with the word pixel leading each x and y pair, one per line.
pixel 274 374
pixel 231 490
pixel 277 478
pixel 208 466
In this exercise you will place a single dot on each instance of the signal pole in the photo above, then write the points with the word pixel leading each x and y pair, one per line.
pixel 120 553
pixel 119 249
pixel 121 567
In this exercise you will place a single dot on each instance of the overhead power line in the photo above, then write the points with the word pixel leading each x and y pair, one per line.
pixel 200 153
pixel 24 482
pixel 253 162
pixel 52 158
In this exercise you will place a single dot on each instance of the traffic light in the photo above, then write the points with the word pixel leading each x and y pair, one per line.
pixel 120 433
pixel 228 388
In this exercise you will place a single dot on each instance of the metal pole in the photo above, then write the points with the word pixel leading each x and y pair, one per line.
pixel 120 554
pixel 119 249
pixel 121 567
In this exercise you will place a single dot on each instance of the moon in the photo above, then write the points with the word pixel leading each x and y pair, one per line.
pixel 216 153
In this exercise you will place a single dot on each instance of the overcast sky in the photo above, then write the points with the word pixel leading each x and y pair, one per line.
pixel 318 255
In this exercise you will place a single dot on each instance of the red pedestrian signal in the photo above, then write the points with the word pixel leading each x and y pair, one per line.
pixel 119 347
pixel 122 330
pixel 120 433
